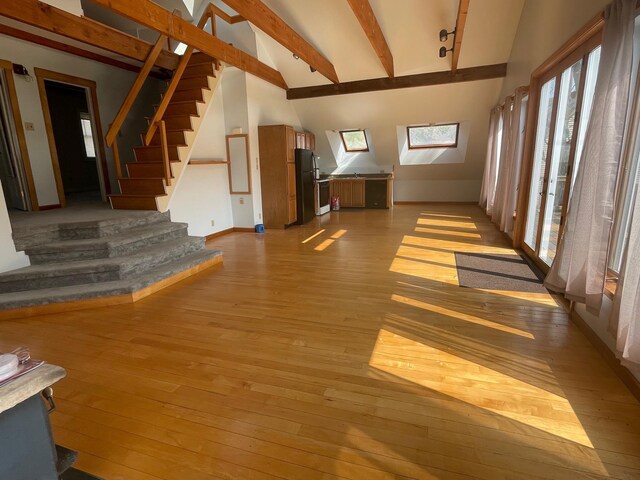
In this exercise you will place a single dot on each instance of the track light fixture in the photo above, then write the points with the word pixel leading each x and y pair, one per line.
pixel 296 56
pixel 443 51
pixel 312 69
pixel 444 35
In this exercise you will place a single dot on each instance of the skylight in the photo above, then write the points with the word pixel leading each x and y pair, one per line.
pixel 433 136
pixel 354 140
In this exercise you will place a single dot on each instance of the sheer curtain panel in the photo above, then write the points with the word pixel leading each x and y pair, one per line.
pixel 497 206
pixel 579 267
pixel 493 150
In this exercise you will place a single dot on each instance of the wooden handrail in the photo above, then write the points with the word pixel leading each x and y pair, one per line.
pixel 165 152
pixel 177 75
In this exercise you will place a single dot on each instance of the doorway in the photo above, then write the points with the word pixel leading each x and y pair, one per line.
pixel 15 170
pixel 565 100
pixel 69 105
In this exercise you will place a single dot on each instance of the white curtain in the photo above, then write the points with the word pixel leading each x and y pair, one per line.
pixel 495 208
pixel 509 172
pixel 625 315
pixel 580 265
pixel 487 193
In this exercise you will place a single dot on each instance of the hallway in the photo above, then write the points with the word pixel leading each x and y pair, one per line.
pixel 341 349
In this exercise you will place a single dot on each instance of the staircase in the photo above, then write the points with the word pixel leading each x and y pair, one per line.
pixel 145 187
pixel 124 257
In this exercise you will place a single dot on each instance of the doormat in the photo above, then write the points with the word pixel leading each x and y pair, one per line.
pixel 497 272
pixel 73 474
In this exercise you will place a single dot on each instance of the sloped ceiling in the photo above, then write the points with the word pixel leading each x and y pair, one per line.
pixel 410 27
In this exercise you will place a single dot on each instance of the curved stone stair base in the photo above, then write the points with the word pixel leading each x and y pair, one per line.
pixel 85 264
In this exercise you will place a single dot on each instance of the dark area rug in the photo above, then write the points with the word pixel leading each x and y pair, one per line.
pixel 497 272
pixel 73 474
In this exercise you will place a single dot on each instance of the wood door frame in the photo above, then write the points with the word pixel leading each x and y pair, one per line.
pixel 7 67
pixel 581 44
pixel 90 86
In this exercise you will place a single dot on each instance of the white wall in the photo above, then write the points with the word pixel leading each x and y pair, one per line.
pixel 202 197
pixel 9 257
pixel 383 112
pixel 544 26
pixel 112 86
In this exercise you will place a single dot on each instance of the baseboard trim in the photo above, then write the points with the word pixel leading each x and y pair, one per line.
pixel 211 236
pixel 110 300
pixel 628 378
pixel 396 202
pixel 244 229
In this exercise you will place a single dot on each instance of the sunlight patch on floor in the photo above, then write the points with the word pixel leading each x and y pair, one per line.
pixel 307 240
pixel 447 232
pixel 446 223
pixel 460 316
pixel 454 246
pixel 528 406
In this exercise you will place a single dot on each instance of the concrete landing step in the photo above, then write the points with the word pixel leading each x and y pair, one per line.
pixel 50 275
pixel 34 298
pixel 119 244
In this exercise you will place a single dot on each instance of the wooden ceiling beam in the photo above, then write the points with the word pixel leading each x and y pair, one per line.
pixel 225 16
pixel 485 72
pixel 165 22
pixel 52 19
pixel 80 52
pixel 463 9
pixel 266 20
pixel 364 13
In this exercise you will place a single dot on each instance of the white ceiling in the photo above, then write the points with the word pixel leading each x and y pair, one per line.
pixel 410 27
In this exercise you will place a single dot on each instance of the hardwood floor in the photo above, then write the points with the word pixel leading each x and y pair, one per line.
pixel 343 349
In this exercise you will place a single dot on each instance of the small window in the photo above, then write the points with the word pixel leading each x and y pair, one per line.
pixel 87 134
pixel 433 136
pixel 354 140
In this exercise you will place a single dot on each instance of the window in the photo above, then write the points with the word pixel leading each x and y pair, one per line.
pixel 565 99
pixel 354 140
pixel 433 136
pixel 87 134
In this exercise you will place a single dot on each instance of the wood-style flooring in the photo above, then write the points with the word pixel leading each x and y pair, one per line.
pixel 343 349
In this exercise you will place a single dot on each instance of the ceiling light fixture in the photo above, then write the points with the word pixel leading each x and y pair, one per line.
pixel 296 56
pixel 313 70
pixel 444 35
pixel 443 51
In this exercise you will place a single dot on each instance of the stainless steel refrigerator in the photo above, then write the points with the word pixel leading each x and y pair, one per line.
pixel 305 182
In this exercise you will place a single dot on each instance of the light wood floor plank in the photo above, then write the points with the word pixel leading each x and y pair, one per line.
pixel 353 355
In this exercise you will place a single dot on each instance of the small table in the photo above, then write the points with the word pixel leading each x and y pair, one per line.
pixel 27 449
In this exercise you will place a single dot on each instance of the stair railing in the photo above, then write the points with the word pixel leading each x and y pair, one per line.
pixel 177 75
pixel 115 127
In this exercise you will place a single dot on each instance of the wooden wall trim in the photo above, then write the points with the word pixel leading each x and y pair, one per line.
pixel 80 52
pixel 628 378
pixel 41 76
pixel 485 72
pixel 22 140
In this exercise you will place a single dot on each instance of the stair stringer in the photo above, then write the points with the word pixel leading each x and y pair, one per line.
pixel 184 152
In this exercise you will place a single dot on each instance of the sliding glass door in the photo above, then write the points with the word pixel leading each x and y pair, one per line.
pixel 564 108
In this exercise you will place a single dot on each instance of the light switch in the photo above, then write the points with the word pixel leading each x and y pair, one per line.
pixel 29 126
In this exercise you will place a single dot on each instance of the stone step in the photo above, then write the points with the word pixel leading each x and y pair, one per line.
pixel 50 275
pixel 119 244
pixel 25 237
pixel 46 296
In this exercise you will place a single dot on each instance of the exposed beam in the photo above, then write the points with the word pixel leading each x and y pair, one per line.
pixel 463 9
pixel 80 52
pixel 364 13
pixel 266 20
pixel 163 21
pixel 225 16
pixel 52 19
pixel 485 72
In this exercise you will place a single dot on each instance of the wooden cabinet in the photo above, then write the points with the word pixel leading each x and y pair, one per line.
pixel 357 193
pixel 300 140
pixel 350 191
pixel 309 141
pixel 277 174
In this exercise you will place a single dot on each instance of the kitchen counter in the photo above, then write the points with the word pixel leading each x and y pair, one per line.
pixel 351 176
